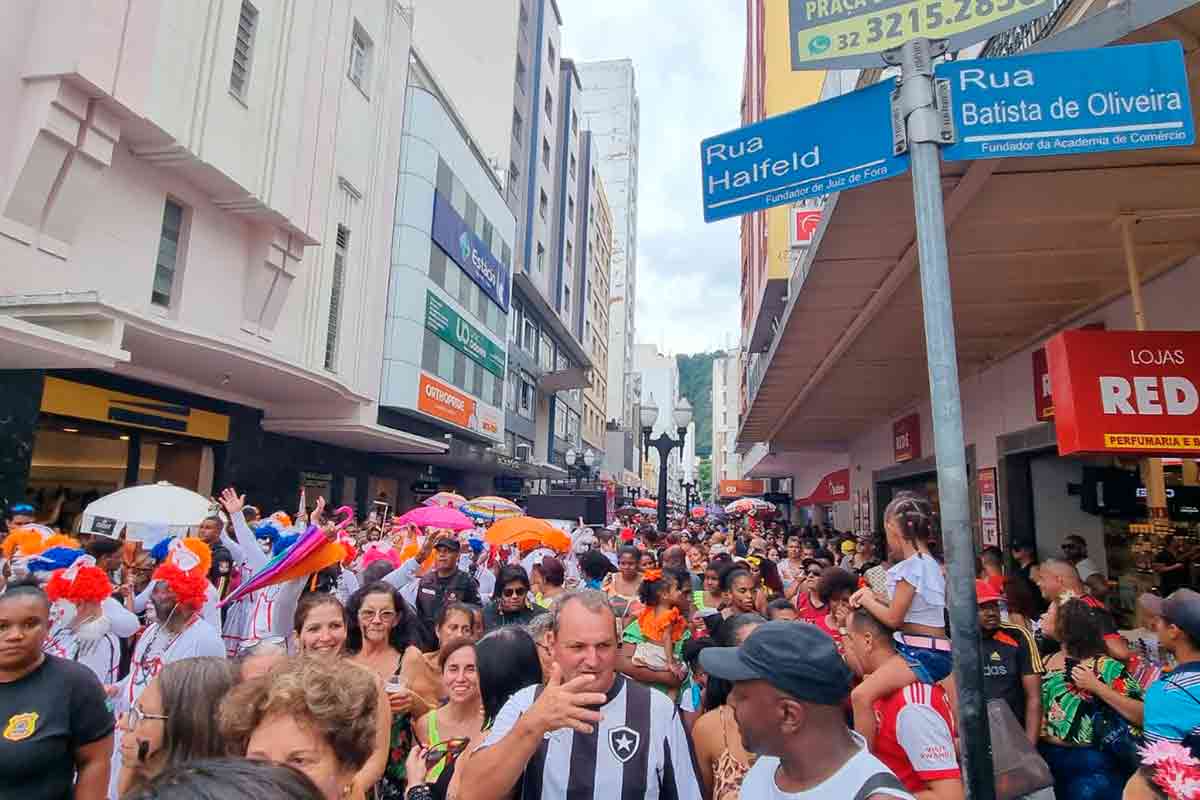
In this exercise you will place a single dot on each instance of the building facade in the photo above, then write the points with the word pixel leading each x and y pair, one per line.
pixel 611 111
pixel 146 178
pixel 725 406
pixel 596 239
pixel 659 376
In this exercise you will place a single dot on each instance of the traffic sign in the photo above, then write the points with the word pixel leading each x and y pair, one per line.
pixel 1078 101
pixel 816 150
pixel 852 33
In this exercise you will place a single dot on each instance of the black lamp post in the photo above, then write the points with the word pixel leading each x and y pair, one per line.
pixel 580 464
pixel 688 487
pixel 664 444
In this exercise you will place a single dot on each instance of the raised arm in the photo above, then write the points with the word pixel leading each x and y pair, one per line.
pixel 252 554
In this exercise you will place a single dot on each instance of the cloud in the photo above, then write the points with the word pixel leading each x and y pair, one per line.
pixel 688 61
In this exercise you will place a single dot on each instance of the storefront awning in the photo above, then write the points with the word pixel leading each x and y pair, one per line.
pixel 356 435
pixel 1034 244
pixel 833 488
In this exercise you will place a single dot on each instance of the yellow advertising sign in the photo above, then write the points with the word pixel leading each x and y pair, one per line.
pixel 852 33
pixel 1152 441
pixel 83 401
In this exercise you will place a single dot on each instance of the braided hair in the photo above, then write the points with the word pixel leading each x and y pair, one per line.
pixel 913 515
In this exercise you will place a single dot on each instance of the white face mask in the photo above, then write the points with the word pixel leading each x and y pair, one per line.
pixel 62 612
pixel 94 629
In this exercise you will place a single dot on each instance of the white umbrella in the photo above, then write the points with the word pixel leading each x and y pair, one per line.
pixel 147 513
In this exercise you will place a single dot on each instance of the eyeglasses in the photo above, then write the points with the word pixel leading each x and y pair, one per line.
pixel 370 616
pixel 136 715
pixel 519 591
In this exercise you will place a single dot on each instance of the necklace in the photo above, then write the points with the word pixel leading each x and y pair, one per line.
pixel 150 665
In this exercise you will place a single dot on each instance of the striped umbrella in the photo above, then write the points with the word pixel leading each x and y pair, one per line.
pixel 490 509
pixel 446 500
pixel 747 504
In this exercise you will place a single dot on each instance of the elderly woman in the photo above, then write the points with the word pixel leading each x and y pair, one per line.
pixel 313 714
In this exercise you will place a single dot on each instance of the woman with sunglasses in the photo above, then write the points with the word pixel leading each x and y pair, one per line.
pixel 460 722
pixel 511 603
pixel 175 720
pixel 808 601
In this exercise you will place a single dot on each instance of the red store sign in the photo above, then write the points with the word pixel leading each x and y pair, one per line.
pixel 1043 400
pixel 833 488
pixel 906 438
pixel 1126 392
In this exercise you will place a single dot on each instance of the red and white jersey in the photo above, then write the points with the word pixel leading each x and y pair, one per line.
pixel 916 735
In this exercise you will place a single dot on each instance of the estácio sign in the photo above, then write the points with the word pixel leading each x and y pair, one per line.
pixel 1126 392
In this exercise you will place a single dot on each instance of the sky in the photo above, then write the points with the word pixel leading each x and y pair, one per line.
pixel 687 57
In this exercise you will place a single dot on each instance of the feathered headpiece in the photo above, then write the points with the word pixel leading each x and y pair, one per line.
pixel 1173 769
pixel 185 569
pixel 54 558
pixel 82 582
pixel 380 551
pixel 27 541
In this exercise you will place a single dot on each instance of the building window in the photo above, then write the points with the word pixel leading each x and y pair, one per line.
pixel 549 106
pixel 360 57
pixel 524 21
pixel 514 175
pixel 243 50
pixel 521 74
pixel 541 254
pixel 574 123
pixel 543 204
pixel 572 165
pixel 166 264
pixel 550 53
pixel 529 337
pixel 518 126
pixel 545 153
pixel 335 296
pixel 570 256
pixel 525 401
pixel 570 210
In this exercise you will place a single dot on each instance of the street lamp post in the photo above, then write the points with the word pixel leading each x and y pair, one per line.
pixel 664 444
pixel 580 464
pixel 688 487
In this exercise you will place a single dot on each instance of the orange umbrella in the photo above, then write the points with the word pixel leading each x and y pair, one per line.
pixel 526 530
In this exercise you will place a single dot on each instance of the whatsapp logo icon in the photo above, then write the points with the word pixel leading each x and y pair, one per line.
pixel 819 44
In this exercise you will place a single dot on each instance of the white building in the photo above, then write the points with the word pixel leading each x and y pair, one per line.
pixel 726 464
pixel 610 110
pixel 660 386
pixel 195 215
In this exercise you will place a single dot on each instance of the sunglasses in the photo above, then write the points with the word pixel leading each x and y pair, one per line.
pixel 449 750
pixel 21 508
pixel 518 592
pixel 136 716
pixel 813 573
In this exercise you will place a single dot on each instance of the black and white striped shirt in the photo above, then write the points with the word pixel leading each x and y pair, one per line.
pixel 639 750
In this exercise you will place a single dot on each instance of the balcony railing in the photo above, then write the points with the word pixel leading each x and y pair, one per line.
pixel 1014 40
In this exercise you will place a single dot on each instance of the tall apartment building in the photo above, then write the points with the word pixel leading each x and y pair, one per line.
pixel 518 99
pixel 196 205
pixel 610 110
pixel 596 240
pixel 725 405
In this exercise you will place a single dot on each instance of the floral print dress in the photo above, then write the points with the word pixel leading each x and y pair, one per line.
pixel 1068 711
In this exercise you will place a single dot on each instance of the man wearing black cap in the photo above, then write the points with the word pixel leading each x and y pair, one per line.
pixel 1173 701
pixel 789 698
pixel 445 583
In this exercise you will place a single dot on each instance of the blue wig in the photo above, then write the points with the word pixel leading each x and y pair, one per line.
pixel 160 550
pixel 283 543
pixel 267 531
pixel 54 558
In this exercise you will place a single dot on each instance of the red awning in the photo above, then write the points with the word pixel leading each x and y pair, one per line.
pixel 833 488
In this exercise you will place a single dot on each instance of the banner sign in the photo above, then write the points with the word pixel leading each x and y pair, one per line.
pixel 443 401
pixel 906 438
pixel 451 328
pixel 852 33
pixel 451 233
pixel 1043 400
pixel 1129 392
pixel 746 488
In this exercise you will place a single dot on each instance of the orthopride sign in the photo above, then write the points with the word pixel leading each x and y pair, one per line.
pixel 1132 392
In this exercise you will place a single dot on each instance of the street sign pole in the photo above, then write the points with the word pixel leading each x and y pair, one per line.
pixel 926 129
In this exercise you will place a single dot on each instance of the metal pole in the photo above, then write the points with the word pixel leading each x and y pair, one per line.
pixel 923 126
pixel 663 453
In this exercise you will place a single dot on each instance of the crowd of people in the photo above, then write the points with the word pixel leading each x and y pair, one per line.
pixel 713 660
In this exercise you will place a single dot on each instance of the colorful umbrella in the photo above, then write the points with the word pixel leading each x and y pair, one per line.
pixel 699 513
pixel 446 500
pixel 645 502
pixel 437 517
pixel 490 509
pixel 527 530
pixel 312 552
pixel 745 505
pixel 626 511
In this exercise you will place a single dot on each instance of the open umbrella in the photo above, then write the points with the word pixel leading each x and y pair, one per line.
pixel 527 530
pixel 437 517
pixel 645 502
pixel 147 513
pixel 626 511
pixel 490 509
pixel 699 513
pixel 747 504
pixel 445 499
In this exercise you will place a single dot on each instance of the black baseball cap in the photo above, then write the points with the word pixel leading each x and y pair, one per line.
pixel 796 658
pixel 449 543
pixel 1181 608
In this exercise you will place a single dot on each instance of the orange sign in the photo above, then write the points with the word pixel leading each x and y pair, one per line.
pixel 752 488
pixel 443 401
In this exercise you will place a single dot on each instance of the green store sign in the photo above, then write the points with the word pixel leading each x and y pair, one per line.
pixel 462 335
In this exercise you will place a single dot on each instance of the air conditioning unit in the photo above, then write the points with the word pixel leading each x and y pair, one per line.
pixel 524 452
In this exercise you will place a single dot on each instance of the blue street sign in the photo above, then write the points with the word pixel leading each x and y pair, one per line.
pixel 816 150
pixel 1079 101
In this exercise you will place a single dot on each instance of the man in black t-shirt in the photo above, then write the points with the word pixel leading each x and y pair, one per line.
pixel 445 583
pixel 1173 567
pixel 1012 668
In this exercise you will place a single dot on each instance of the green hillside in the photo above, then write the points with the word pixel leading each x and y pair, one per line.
pixel 695 383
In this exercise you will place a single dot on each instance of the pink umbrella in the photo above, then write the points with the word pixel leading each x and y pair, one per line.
pixel 437 517
pixel 448 499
